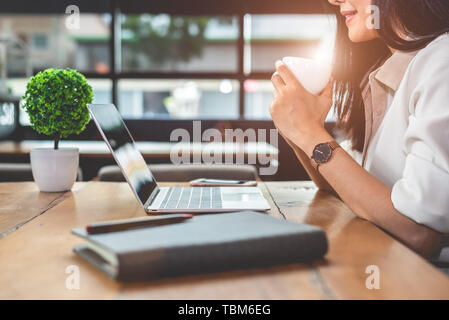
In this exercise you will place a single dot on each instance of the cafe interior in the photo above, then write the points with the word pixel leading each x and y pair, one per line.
pixel 178 72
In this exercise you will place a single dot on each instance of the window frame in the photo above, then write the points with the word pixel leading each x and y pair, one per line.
pixel 235 8
pixel 115 8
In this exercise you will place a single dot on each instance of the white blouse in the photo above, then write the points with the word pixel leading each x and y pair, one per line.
pixel 407 132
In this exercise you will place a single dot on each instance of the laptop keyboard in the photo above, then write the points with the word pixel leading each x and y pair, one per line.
pixel 192 198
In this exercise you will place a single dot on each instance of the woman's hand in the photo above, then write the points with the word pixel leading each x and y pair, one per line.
pixel 298 114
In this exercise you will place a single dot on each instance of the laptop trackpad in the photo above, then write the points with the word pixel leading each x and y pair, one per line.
pixel 241 197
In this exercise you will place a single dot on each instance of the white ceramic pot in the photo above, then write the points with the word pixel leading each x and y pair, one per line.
pixel 54 170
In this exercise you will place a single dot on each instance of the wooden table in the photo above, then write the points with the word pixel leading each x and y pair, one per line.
pixel 36 248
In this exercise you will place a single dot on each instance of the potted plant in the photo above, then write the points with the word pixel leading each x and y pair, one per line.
pixel 55 101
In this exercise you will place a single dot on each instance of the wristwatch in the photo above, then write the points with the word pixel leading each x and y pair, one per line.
pixel 323 153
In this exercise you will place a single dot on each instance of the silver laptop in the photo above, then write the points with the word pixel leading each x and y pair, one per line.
pixel 155 199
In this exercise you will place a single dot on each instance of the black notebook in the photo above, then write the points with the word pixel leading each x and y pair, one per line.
pixel 202 244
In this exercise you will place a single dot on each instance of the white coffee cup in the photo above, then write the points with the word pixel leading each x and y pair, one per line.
pixel 314 75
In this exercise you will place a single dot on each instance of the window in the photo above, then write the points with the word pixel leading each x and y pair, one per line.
pixel 179 99
pixel 258 97
pixel 36 42
pixel 40 42
pixel 179 65
pixel 155 45
pixel 271 37
pixel 166 43
pixel 49 43
pixel 268 38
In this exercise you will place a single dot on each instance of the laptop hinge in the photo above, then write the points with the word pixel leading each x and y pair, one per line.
pixel 152 197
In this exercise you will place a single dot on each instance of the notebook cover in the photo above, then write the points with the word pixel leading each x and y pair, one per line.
pixel 207 243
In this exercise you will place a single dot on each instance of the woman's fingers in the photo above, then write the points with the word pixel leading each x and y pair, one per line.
pixel 278 83
pixel 287 75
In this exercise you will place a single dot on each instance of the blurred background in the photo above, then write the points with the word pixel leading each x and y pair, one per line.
pixel 162 63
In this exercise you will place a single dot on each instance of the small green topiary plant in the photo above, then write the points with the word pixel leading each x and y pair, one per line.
pixel 56 100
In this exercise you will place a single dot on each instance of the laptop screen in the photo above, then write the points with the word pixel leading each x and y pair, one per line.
pixel 126 154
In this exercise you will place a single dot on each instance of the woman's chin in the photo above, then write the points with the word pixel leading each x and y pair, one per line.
pixel 358 35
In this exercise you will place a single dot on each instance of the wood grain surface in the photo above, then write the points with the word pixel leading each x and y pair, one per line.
pixel 36 249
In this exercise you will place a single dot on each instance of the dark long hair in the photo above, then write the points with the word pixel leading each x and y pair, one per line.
pixel 422 20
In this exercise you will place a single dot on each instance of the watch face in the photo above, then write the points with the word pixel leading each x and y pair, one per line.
pixel 322 153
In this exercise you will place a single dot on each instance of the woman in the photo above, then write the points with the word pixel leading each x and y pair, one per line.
pixel 391 94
